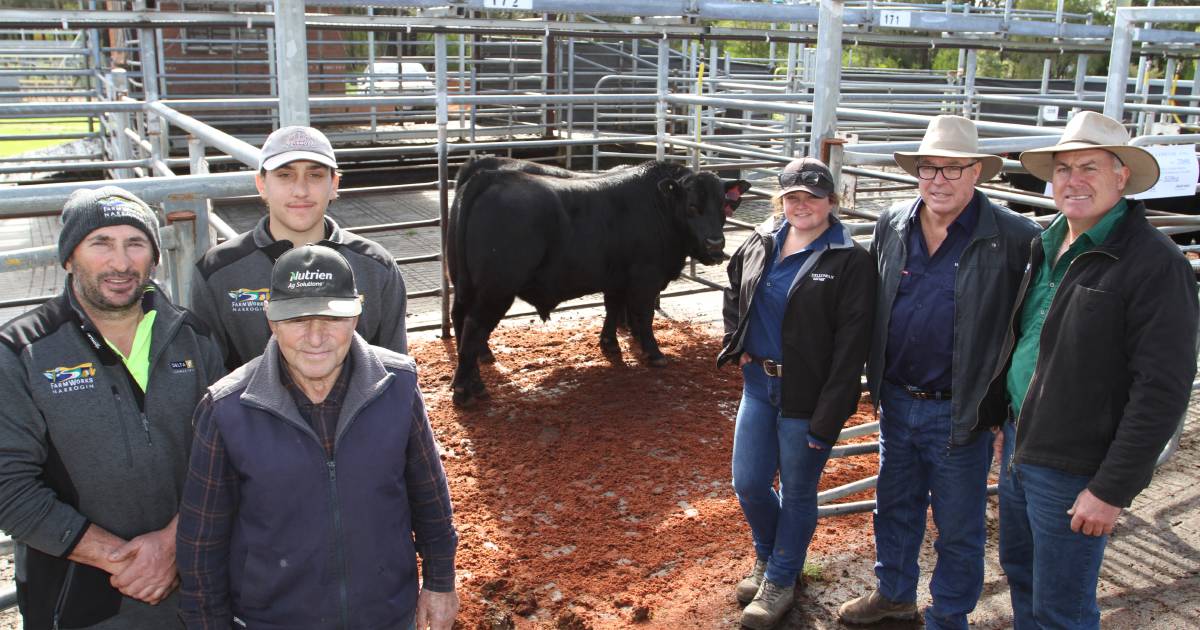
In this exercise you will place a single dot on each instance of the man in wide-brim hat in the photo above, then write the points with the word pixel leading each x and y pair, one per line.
pixel 1096 377
pixel 950 266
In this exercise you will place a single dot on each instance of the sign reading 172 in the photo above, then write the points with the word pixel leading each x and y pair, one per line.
pixel 508 4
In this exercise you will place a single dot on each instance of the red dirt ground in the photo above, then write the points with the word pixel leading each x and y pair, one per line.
pixel 595 493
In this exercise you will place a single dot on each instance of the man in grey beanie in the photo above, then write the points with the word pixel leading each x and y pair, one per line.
pixel 99 384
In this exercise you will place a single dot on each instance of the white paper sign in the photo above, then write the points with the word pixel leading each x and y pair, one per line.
pixel 1049 112
pixel 1178 172
pixel 895 19
pixel 508 4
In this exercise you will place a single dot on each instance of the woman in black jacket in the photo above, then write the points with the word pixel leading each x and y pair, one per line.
pixel 798 319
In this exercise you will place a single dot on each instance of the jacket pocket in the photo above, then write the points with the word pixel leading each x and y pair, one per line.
pixel 266 575
pixel 1092 317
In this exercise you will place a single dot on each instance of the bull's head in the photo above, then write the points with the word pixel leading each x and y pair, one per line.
pixel 700 203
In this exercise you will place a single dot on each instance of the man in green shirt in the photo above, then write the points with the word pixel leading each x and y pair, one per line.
pixel 1096 373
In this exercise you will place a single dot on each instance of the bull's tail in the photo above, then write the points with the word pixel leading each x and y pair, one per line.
pixel 456 243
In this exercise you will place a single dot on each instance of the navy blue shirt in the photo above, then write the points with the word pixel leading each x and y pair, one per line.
pixel 764 331
pixel 920 342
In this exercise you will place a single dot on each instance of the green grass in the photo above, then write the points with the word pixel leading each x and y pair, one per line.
pixel 26 126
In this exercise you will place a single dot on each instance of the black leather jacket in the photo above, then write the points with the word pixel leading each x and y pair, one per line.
pixel 985 287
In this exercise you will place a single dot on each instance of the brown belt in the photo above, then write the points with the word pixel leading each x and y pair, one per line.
pixel 771 367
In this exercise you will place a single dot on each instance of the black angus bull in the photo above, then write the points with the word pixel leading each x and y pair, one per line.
pixel 546 239
pixel 496 163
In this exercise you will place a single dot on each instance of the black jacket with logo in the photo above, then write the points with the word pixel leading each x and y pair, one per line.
pixel 826 327
pixel 1115 365
pixel 82 444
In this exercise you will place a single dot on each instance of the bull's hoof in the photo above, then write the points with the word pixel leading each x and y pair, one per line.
pixel 658 361
pixel 462 398
pixel 486 356
pixel 610 346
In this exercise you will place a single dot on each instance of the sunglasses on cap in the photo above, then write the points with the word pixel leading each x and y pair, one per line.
pixel 805 178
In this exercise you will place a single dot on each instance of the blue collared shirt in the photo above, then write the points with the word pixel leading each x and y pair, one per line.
pixel 764 331
pixel 920 343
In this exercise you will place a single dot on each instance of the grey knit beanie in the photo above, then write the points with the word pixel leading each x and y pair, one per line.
pixel 89 209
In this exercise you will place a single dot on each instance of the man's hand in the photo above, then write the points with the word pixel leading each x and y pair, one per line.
pixel 998 445
pixel 150 574
pixel 436 611
pixel 1091 516
pixel 744 359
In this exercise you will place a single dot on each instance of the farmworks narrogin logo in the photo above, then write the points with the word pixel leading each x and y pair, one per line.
pixel 71 379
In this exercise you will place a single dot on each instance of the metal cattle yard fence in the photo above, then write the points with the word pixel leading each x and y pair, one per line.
pixel 169 100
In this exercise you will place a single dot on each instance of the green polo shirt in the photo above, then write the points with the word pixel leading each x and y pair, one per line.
pixel 1041 293
pixel 138 361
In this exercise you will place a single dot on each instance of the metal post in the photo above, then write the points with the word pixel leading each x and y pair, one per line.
pixel 183 255
pixel 1118 65
pixel 1194 119
pixel 1168 83
pixel 570 89
pixel 789 120
pixel 1081 64
pixel 1045 87
pixel 371 79
pixel 972 69
pixel 120 122
pixel 291 57
pixel 199 166
pixel 829 59
pixel 660 107
pixel 156 128
pixel 443 116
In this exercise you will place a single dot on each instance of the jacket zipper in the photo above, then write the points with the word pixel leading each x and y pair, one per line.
pixel 1012 455
pixel 124 431
pixel 61 603
pixel 337 543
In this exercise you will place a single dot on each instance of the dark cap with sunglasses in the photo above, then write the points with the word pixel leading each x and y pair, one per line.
pixel 807 174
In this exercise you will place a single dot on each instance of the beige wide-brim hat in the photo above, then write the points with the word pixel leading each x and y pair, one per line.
pixel 1092 130
pixel 951 137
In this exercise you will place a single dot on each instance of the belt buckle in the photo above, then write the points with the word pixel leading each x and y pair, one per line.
pixel 772 368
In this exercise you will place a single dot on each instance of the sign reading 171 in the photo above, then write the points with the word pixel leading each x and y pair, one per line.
pixel 508 4
pixel 895 19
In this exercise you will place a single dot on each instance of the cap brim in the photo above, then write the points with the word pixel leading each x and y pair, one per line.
pixel 991 165
pixel 279 310
pixel 275 161
pixel 1143 168
pixel 812 190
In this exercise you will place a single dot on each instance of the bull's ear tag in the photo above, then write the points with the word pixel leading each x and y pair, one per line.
pixel 733 195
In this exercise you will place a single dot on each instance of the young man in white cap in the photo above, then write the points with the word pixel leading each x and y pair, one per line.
pixel 297 179
pixel 98 386
pixel 315 480
pixel 1095 375
pixel 950 266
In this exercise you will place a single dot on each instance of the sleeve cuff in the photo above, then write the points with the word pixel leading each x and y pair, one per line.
pixel 437 574
pixel 74 542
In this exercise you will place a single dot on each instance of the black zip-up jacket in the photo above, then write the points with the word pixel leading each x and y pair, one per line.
pixel 1115 365
pixel 985 286
pixel 83 444
pixel 826 328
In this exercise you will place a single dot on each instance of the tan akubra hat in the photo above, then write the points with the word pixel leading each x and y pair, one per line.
pixel 1092 130
pixel 952 137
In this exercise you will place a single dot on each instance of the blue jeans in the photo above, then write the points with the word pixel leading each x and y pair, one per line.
pixel 782 522
pixel 1052 571
pixel 917 468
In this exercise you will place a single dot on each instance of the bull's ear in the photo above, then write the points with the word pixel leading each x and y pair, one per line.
pixel 734 189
